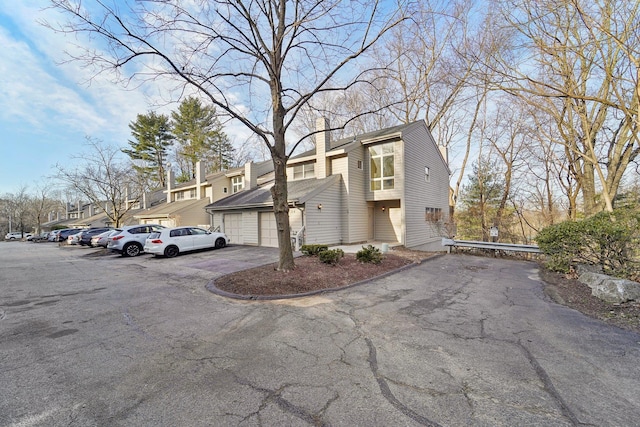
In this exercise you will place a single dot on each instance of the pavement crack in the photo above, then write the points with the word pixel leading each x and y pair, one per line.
pixel 386 391
pixel 549 387
pixel 275 396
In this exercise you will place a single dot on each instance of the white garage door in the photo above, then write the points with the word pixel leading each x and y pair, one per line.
pixel 268 230
pixel 167 222
pixel 233 228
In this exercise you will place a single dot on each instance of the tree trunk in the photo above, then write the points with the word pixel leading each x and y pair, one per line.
pixel 281 212
pixel 279 191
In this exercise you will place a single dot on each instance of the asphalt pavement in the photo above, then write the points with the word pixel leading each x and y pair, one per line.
pixel 455 341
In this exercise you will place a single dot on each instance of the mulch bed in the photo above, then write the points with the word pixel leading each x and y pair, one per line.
pixel 309 275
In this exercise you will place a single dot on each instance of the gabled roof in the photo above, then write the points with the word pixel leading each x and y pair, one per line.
pixel 299 192
pixel 348 143
pixel 166 210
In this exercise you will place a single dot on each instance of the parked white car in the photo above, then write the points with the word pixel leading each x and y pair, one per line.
pixel 172 241
pixel 16 235
pixel 129 240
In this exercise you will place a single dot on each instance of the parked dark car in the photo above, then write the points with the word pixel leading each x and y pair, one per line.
pixel 85 238
pixel 42 237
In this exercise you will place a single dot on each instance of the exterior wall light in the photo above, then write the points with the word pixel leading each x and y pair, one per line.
pixel 319 205
pixel 384 209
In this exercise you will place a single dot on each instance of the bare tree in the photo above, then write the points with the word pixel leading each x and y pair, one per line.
pixel 277 53
pixel 16 208
pixel 42 201
pixel 585 78
pixel 104 179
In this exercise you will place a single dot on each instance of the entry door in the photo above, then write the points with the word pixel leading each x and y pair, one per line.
pixel 370 223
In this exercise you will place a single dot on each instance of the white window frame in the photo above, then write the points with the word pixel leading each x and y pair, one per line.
pixel 381 154
pixel 237 183
pixel 304 171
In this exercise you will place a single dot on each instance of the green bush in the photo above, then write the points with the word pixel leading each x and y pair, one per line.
pixel 313 250
pixel 608 240
pixel 369 254
pixel 331 256
pixel 562 243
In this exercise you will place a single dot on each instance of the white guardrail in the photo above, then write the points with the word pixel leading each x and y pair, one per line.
pixel 490 245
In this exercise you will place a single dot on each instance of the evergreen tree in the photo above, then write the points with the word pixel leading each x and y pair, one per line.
pixel 200 137
pixel 480 199
pixel 151 139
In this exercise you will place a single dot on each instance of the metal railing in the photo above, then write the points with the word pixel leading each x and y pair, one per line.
pixel 296 238
pixel 490 245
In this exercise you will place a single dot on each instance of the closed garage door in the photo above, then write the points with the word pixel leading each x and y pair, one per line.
pixel 233 228
pixel 268 230
pixel 167 222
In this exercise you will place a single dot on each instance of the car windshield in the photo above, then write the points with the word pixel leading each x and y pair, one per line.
pixel 154 235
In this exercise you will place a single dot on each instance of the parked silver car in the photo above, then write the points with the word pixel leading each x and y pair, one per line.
pixel 102 239
pixel 172 241
pixel 129 240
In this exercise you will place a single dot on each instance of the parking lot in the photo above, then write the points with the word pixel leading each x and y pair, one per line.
pixel 102 340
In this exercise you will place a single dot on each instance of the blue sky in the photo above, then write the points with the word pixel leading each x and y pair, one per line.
pixel 46 108
pixel 45 113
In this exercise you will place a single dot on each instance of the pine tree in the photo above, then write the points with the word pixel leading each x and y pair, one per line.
pixel 480 199
pixel 151 139
pixel 200 137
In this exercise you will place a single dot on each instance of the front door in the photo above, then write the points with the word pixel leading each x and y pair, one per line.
pixel 370 224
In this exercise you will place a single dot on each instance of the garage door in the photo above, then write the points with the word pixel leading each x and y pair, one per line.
pixel 268 230
pixel 167 222
pixel 233 228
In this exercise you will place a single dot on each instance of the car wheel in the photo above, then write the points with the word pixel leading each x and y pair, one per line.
pixel 220 243
pixel 171 251
pixel 131 249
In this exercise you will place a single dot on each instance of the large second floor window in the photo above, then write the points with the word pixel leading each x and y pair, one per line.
pixel 382 170
pixel 306 170
pixel 237 184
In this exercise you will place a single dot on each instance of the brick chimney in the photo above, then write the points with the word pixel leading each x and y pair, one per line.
pixel 323 144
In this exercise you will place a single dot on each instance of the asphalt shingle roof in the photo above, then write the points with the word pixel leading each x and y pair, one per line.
pixel 298 192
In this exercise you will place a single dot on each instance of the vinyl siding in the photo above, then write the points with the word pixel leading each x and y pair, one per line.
pixel 356 214
pixel 194 216
pixel 218 186
pixel 420 151
pixel 388 223
pixel 324 225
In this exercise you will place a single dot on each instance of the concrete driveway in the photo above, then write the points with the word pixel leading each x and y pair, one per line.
pixel 455 341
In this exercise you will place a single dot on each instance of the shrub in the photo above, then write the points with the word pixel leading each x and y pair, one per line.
pixel 607 239
pixel 313 250
pixel 331 256
pixel 562 243
pixel 369 254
